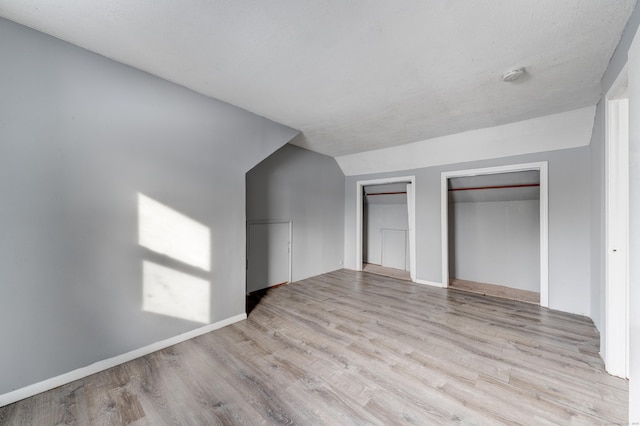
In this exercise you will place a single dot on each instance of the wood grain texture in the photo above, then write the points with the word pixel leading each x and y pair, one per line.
pixel 357 348
pixel 386 271
pixel 495 290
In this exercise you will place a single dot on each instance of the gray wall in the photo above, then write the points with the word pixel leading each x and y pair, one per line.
pixel 80 137
pixel 381 216
pixel 597 150
pixel 496 242
pixel 307 188
pixel 569 222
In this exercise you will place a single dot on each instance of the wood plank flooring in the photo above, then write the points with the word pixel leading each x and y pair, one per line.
pixel 387 272
pixel 495 290
pixel 357 348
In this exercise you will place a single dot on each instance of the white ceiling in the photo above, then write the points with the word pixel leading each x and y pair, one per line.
pixel 356 75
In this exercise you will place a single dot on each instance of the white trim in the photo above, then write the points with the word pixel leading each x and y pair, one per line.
pixel 544 235
pixel 412 219
pixel 425 282
pixel 262 222
pixel 63 379
pixel 616 322
pixel 411 198
pixel 544 217
pixel 444 228
pixel 633 318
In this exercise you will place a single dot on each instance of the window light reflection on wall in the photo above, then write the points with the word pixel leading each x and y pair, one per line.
pixel 165 231
pixel 174 293
pixel 176 290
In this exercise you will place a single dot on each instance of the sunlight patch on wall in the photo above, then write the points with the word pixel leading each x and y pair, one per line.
pixel 174 293
pixel 165 231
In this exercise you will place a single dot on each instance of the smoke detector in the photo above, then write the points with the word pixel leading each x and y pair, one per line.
pixel 513 74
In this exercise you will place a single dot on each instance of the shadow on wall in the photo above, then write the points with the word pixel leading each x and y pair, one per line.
pixel 179 287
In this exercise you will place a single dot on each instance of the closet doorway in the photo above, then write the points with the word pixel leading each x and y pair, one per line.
pixel 494 231
pixel 385 240
pixel 385 223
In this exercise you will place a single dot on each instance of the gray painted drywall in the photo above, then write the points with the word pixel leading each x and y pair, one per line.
pixel 496 243
pixel 569 222
pixel 80 137
pixel 598 205
pixel 307 188
pixel 381 216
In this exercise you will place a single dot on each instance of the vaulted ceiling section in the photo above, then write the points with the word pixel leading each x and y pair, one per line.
pixel 358 75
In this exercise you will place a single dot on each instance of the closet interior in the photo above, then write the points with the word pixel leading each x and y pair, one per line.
pixel 494 234
pixel 385 236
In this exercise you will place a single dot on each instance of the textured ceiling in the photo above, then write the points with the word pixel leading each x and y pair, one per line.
pixel 356 75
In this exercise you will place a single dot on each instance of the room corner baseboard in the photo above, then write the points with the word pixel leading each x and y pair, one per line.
pixel 431 283
pixel 63 379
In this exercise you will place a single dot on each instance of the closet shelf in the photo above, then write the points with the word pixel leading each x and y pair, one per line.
pixel 525 185
pixel 385 193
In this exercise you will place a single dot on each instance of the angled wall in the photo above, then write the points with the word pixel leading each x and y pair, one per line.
pixel 307 188
pixel 113 184
pixel 570 129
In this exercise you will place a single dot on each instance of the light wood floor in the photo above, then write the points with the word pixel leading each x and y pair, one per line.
pixel 387 272
pixel 495 290
pixel 356 348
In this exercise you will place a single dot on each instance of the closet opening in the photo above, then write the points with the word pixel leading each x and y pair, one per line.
pixel 385 221
pixel 385 241
pixel 495 232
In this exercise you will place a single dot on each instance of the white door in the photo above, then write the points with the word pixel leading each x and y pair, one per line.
pixel 268 255
pixel 394 248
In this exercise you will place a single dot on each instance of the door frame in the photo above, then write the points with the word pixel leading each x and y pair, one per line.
pixel 412 218
pixel 268 222
pixel 616 344
pixel 542 167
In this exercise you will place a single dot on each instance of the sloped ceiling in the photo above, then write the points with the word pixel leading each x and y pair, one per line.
pixel 358 75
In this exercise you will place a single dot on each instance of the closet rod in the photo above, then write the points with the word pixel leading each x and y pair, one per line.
pixel 525 185
pixel 386 193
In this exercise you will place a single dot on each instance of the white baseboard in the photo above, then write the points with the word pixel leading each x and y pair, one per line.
pixel 63 379
pixel 431 283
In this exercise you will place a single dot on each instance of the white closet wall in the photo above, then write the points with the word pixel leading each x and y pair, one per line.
pixel 494 229
pixel 497 243
pixel 382 217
